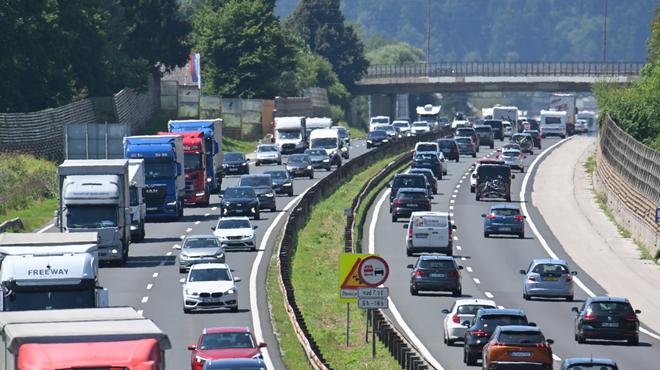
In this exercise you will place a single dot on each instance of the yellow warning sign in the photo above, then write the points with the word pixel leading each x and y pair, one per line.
pixel 349 280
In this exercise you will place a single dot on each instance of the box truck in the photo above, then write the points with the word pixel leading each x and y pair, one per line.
pixel 291 134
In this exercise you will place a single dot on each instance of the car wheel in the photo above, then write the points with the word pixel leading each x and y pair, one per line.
pixel 368 146
pixel 522 169
pixel 257 163
pixel 486 235
pixel 187 310
pixel 633 341
pixel 182 270
pixel 508 198
pixel 435 191
pixel 492 145
pixel 526 297
pixel 311 176
pixel 470 359
pixel 395 218
pixel 279 163
pixel 409 253
pixel 477 198
pixel 413 291
pixel 457 293
pixel 474 155
pixel 444 338
pixel 563 136
pixel 274 209
pixel 521 235
pixel 531 152
pixel 569 298
pixel 290 193
pixel 580 339
pixel 257 216
pixel 234 309
pixel 471 189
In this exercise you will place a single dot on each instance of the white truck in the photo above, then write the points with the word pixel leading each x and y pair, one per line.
pixel 378 121
pixel 553 123
pixel 50 271
pixel 565 103
pixel 94 197
pixel 510 114
pixel 291 134
pixel 317 123
pixel 431 114
pixel 137 203
pixel 329 140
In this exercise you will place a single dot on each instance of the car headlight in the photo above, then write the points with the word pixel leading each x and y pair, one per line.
pixel 287 184
pixel 200 359
pixel 231 291
pixel 223 237
pixel 183 255
pixel 309 167
pixel 208 179
pixel 219 254
pixel 326 160
pixel 172 204
pixel 226 204
pixel 191 292
pixel 244 164
pixel 385 140
pixel 269 195
pixel 369 141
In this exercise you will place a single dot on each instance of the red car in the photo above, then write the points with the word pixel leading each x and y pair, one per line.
pixel 221 343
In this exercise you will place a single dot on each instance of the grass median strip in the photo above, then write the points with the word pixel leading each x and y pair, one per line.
pixel 315 279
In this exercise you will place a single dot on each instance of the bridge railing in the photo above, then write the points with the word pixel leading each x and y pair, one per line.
pixel 452 69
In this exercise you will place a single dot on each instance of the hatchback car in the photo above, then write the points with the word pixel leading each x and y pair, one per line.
pixel 482 327
pixel 235 233
pixel 462 311
pixel 588 363
pixel 504 219
pixel 536 137
pixel 268 153
pixel 209 286
pixel 263 187
pixel 466 146
pixel 430 177
pixel 235 163
pixel 449 149
pixel 518 346
pixel 420 127
pixel 282 182
pixel 429 160
pixel 608 318
pixel 436 273
pixel 406 180
pixel 548 278
pixel 240 201
pixel 525 141
pixel 377 138
pixel 486 136
pixel 320 159
pixel 223 343
pixel 581 126
pixel 300 165
pixel 513 158
pixel 409 200
pixel 429 232
pixel 469 132
pixel 236 364
pixel 200 249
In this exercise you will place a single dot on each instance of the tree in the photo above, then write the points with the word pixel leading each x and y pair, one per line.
pixel 654 41
pixel 243 48
pixel 321 25
pixel 395 53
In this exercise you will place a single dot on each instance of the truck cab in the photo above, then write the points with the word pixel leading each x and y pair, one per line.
pixel 138 206
pixel 328 140
pixel 508 114
pixel 194 164
pixel 291 134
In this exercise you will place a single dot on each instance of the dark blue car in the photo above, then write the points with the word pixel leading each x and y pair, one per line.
pixel 504 220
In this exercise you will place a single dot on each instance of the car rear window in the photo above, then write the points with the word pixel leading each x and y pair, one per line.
pixel 464 132
pixel 590 367
pixel 426 156
pixel 408 195
pixel 471 309
pixel 615 307
pixel 505 212
pixel 463 140
pixel 427 148
pixel 410 182
pixel 493 321
pixel 446 144
pixel 517 337
pixel 256 181
pixel 550 268
pixel 483 129
pixel 430 221
pixel 437 264
pixel 511 154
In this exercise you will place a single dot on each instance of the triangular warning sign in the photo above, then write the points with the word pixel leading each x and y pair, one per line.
pixel 352 280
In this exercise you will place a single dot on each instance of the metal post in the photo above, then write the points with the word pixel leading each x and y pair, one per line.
pixel 605 34
pixel 348 315
pixel 373 335
pixel 428 32
pixel 366 331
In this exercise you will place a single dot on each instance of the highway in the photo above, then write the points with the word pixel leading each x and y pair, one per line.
pixel 150 280
pixel 491 271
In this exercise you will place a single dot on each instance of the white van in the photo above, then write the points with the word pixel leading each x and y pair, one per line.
pixel 376 122
pixel 429 232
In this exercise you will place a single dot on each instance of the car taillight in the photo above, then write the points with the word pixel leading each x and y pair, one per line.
pixel 452 274
pixel 543 345
pixel 589 317
pixel 479 333
pixel 449 231
pixel 456 319
pixel 409 232
pixel 569 278
pixel 532 278
pixel 498 344
pixel 490 216
pixel 519 218
pixel 630 317
pixel 397 201
pixel 419 273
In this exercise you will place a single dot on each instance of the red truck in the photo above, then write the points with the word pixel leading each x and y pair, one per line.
pixel 197 185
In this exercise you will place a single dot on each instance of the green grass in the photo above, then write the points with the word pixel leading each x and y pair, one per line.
pixel 314 276
pixel 35 216
pixel 157 123
pixel 235 145
pixel 357 132
pixel 590 164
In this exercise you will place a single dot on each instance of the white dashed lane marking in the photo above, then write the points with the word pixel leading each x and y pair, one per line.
pixel 458 247
pixel 145 299
pixel 476 281
pixel 149 286
pixel 197 222
pixel 189 229
pixel 214 208
pixel 469 269
pixel 155 274
pixel 175 246
pixel 140 312
pixel 451 208
pixel 207 214
pixel 489 294
pixel 168 253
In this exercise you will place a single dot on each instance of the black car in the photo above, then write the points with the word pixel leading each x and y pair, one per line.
pixel 240 201
pixel 430 177
pixel 493 181
pixel 449 149
pixel 377 138
pixel 525 141
pixel 300 165
pixel 436 273
pixel 235 163
pixel 320 159
pixel 486 136
pixel 466 146
pixel 406 180
pixel 469 132
pixel 607 318
pixel 428 160
pixel 498 128
pixel 409 200
pixel 345 136
pixel 536 137
pixel 263 186
pixel 482 327
pixel 282 182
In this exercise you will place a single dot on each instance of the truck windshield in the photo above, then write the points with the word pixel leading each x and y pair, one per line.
pixel 288 135
pixel 192 161
pixel 325 143
pixel 90 217
pixel 158 170
pixel 49 298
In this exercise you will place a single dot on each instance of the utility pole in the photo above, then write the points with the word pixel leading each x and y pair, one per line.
pixel 605 35
pixel 428 32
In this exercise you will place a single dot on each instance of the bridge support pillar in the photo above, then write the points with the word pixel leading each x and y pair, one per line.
pixel 383 105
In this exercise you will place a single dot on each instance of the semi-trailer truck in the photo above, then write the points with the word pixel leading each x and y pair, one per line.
pixel 93 338
pixel 43 271
pixel 138 206
pixel 163 171
pixel 565 103
pixel 291 134
pixel 212 130
pixel 508 114
pixel 316 123
pixel 94 197
pixel 194 164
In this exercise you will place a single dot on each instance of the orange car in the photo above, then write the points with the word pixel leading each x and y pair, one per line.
pixel 518 347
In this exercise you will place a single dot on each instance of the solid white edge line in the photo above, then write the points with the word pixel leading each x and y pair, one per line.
pixel 392 307
pixel 254 307
pixel 540 238
pixel 45 228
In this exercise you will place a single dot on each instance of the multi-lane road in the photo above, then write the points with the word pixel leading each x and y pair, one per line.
pixel 491 271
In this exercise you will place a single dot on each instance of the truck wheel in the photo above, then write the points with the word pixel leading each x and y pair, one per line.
pixel 508 198
pixel 124 255
pixel 186 310
pixel 472 189
pixel 142 232
pixel 492 145
pixel 257 216
pixel 257 163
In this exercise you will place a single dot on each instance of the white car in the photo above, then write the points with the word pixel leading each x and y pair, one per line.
pixel 581 126
pixel 268 153
pixel 210 286
pixel 514 159
pixel 506 126
pixel 463 310
pixel 403 125
pixel 460 123
pixel 473 179
pixel 235 233
pixel 420 127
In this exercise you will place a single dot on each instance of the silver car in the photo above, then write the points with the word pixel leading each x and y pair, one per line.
pixel 236 233
pixel 268 153
pixel 200 249
pixel 548 278
pixel 514 159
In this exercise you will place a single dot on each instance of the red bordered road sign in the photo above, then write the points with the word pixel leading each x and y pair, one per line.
pixel 373 271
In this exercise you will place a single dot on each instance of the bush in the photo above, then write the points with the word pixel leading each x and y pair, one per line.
pixel 25 179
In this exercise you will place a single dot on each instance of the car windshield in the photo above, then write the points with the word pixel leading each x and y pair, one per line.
pixel 409 182
pixel 226 340
pixel 471 309
pixel 280 175
pixel 158 170
pixel 445 144
pixel 209 274
pixel 518 337
pixel 298 158
pixel 192 161
pixel 430 221
pixel 234 157
pixel 506 212
pixel 380 120
pixel 316 152
pixel 233 224
pixel 239 193
pixel 401 124
pixel 91 217
pixel 463 140
pixel 550 268
pixel 267 148
pixel 590 367
pixel 493 321
pixel 511 154
pixel 255 181
pixel 325 142
pixel 377 134
pixel 201 243
pixel 464 132
pixel 409 195
pixel 436 264
pixel 614 307
pixel 288 135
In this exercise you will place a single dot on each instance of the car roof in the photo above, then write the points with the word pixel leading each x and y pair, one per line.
pixel 420 169
pixel 426 142
pixel 433 257
pixel 201 236
pixel 519 328
pixel 255 175
pixel 475 301
pixel 588 361
pixel 501 311
pixel 608 299
pixel 483 126
pixel 504 206
pixel 234 218
pixel 226 329
pixel 411 190
pixel 549 261
pixel 203 266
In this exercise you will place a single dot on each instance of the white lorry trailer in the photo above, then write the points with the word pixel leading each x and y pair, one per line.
pixel 553 123
pixel 328 139
pixel 508 114
pixel 137 203
pixel 317 123
pixel 430 114
pixel 94 197
pixel 291 134
pixel 565 103
pixel 50 271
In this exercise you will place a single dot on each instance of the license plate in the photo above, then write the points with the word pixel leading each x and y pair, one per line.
pixel 239 211
pixel 521 354
pixel 232 169
pixel 411 205
pixel 550 278
pixel 421 236
pixel 610 325
pixel 505 229
pixel 437 275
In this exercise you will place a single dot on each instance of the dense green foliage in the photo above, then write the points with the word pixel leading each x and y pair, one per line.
pixel 381 51
pixel 488 30
pixel 56 51
pixel 24 179
pixel 636 108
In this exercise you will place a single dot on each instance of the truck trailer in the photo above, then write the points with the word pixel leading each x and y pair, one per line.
pixel 95 338
pixel 94 197
pixel 565 103
pixel 163 171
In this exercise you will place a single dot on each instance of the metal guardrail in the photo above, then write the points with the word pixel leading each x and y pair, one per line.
pixel 457 69
pixel 14 223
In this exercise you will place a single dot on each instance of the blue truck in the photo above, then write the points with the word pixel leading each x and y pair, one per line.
pixel 163 171
pixel 212 129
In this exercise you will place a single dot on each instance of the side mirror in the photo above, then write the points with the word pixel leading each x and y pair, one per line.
pixel 574 309
pixel 177 247
pixel 445 311
pixel 638 311
pixel 550 341
pixel 254 227
pixel 237 279
pixel 213 228
pixel 405 226
pixel 513 176
pixel 453 227
pixel 262 344
pixel 574 273
pixel 483 215
pixel 523 272
pixel 410 266
pixel 430 196
pixel 182 280
pixel 192 347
